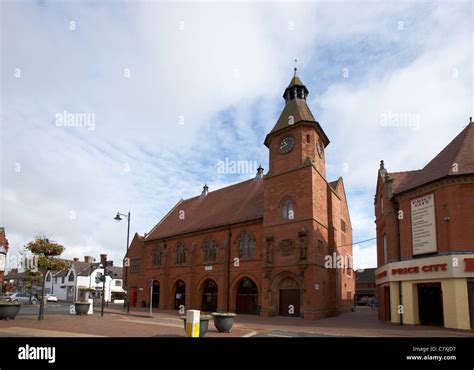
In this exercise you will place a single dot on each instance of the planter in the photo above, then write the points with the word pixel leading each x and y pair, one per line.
pixel 223 321
pixel 203 324
pixel 9 311
pixel 81 308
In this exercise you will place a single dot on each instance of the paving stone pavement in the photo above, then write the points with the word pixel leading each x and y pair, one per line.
pixel 115 323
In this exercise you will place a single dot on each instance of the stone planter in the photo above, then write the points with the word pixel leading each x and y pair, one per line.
pixel 223 321
pixel 9 311
pixel 203 324
pixel 81 308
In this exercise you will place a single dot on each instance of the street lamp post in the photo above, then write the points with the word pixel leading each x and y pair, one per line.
pixel 126 305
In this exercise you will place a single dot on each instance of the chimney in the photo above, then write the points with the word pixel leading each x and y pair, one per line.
pixel 259 172
pixel 75 259
pixel 88 259
pixel 205 190
pixel 388 185
pixel 103 258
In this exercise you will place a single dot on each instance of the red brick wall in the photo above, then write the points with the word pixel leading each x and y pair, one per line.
pixel 455 200
pixel 318 212
pixel 193 273
pixel 281 163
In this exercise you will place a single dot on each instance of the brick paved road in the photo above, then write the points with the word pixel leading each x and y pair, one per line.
pixel 361 323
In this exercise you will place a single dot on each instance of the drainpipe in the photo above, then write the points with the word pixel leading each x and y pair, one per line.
pixel 400 296
pixel 229 248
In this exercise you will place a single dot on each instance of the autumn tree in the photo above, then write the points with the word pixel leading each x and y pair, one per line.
pixel 46 258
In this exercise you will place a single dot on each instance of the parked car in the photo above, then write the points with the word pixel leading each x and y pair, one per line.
pixel 51 298
pixel 23 298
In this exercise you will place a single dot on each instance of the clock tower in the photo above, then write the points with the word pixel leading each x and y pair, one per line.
pixel 298 221
pixel 297 138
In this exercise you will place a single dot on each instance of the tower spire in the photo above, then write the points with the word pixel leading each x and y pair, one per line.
pixel 296 89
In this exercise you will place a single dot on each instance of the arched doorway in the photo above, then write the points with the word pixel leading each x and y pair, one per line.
pixel 209 296
pixel 156 293
pixel 247 297
pixel 180 295
pixel 289 297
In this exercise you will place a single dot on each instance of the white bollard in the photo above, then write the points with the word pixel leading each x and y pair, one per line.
pixel 192 323
pixel 91 306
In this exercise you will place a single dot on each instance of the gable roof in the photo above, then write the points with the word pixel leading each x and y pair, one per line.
pixel 84 268
pixel 236 203
pixel 457 158
pixel 116 270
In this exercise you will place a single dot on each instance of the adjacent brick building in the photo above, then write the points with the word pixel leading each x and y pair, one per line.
pixel 259 246
pixel 425 239
pixel 365 288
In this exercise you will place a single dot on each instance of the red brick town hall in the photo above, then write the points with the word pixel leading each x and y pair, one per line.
pixel 258 246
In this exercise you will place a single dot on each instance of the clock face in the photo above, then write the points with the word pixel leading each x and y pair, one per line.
pixel 287 144
pixel 320 148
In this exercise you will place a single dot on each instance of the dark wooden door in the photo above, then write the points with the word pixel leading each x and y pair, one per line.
pixel 430 304
pixel 289 302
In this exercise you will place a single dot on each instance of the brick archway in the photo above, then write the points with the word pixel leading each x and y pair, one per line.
pixel 293 293
pixel 208 293
pixel 156 293
pixel 171 293
pixel 235 286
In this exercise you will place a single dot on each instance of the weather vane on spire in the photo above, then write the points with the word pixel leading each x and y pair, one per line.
pixel 296 61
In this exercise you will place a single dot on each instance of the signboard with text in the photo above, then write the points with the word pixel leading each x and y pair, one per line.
pixel 423 224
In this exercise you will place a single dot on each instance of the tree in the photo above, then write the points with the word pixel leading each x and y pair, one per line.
pixel 46 259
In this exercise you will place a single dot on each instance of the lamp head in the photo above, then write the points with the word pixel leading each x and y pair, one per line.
pixel 118 218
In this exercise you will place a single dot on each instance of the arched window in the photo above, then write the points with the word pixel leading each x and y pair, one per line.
pixel 287 210
pixel 48 276
pixel 71 276
pixel 210 250
pixel 156 257
pixel 246 245
pixel 180 254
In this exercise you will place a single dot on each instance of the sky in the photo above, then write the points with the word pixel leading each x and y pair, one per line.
pixel 130 106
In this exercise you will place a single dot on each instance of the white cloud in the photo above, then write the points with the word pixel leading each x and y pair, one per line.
pixel 224 74
pixel 364 257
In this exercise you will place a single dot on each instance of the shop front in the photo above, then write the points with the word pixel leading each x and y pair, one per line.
pixel 428 291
